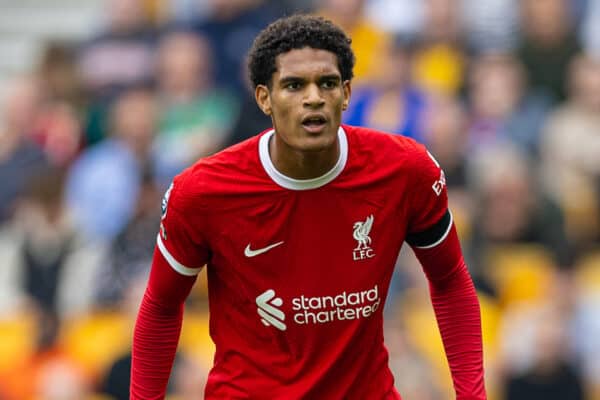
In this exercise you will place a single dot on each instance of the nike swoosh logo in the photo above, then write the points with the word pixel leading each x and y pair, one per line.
pixel 252 253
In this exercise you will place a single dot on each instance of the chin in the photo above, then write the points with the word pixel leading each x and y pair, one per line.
pixel 316 143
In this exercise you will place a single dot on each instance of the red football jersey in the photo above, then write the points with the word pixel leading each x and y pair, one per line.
pixel 299 270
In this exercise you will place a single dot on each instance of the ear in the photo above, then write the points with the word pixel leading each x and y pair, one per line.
pixel 263 98
pixel 347 87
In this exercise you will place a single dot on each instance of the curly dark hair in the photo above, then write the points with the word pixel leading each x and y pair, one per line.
pixel 296 32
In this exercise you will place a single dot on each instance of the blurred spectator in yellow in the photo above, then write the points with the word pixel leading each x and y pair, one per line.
pixel 369 42
pixel 389 101
pixel 195 114
pixel 501 107
pixel 104 182
pixel 439 61
pixel 571 151
pixel 549 43
pixel 20 158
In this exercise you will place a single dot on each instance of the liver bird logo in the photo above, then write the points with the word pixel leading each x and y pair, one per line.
pixel 361 232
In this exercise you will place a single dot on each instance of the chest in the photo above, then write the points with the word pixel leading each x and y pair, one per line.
pixel 320 241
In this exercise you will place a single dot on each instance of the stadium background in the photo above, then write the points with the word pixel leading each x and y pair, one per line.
pixel 103 101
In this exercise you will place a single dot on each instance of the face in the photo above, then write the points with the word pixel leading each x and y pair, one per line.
pixel 306 99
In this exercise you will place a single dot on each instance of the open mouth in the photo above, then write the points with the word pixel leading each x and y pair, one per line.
pixel 314 123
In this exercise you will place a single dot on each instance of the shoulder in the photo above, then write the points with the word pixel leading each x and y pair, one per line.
pixel 389 147
pixel 221 172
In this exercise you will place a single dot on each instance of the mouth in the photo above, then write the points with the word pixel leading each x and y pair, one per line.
pixel 314 123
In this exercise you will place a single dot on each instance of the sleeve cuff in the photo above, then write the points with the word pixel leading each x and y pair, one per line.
pixel 176 265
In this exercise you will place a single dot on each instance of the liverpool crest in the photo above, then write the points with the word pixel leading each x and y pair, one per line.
pixel 361 234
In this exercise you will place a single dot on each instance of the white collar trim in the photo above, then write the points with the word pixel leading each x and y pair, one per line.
pixel 302 184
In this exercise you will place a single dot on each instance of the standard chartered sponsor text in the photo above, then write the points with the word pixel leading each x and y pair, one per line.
pixel 344 306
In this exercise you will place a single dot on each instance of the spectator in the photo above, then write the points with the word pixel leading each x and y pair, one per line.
pixel 445 122
pixel 570 148
pixel 439 61
pixel 501 107
pixel 548 44
pixel 369 42
pixel 491 25
pixel 445 134
pixel 549 373
pixel 399 18
pixel 104 182
pixel 511 209
pixel 128 39
pixel 20 158
pixel 390 103
pixel 230 27
pixel 250 119
pixel 47 240
pixel 129 255
pixel 196 115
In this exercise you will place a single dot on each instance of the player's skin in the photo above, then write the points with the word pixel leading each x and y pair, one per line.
pixel 307 85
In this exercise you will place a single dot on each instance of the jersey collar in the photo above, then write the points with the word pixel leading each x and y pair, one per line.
pixel 302 184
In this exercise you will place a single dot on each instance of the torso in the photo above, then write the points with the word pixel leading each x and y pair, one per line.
pixel 297 279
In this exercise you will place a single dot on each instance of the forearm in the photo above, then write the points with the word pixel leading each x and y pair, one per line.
pixel 155 339
pixel 458 315
pixel 157 330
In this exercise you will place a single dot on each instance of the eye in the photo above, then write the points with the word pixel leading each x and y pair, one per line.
pixel 329 84
pixel 294 85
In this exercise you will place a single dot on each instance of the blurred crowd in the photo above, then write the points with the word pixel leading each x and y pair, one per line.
pixel 505 94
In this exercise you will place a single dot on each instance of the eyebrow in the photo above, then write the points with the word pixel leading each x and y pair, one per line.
pixel 288 79
pixel 292 78
pixel 331 77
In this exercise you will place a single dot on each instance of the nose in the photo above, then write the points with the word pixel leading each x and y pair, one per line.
pixel 313 97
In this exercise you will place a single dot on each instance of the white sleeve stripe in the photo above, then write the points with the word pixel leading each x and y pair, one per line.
pixel 177 266
pixel 440 240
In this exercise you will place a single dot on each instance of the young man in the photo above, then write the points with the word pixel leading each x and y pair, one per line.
pixel 300 228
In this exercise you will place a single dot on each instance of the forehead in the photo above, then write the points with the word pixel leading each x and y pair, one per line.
pixel 306 62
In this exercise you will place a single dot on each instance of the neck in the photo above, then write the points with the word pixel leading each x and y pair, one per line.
pixel 297 164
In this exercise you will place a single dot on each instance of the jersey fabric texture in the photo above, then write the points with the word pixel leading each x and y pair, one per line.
pixel 298 270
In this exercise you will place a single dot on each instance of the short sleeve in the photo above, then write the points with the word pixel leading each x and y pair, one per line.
pixel 181 235
pixel 429 219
